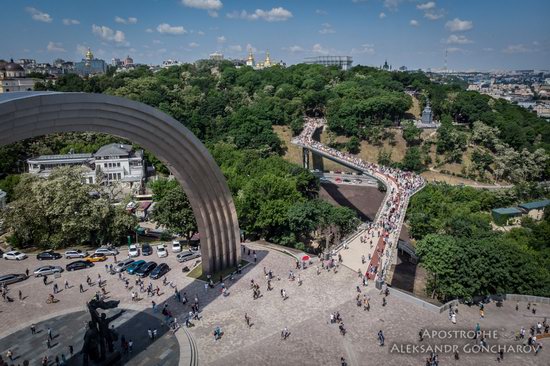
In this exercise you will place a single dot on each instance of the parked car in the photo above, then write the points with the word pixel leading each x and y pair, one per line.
pixel 144 270
pixel 188 255
pixel 133 251
pixel 338 180
pixel 161 251
pixel 107 251
pixel 73 266
pixel 121 266
pixel 176 246
pixel 132 268
pixel 146 249
pixel 159 271
pixel 96 257
pixel 347 180
pixel 75 253
pixel 48 254
pixel 12 278
pixel 357 181
pixel 47 270
pixel 14 255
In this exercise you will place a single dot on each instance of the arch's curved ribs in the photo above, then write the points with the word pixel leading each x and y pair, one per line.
pixel 25 115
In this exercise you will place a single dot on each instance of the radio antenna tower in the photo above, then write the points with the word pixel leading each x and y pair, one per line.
pixel 445 67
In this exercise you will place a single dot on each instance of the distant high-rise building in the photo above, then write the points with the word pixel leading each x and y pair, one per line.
pixel 343 62
pixel 90 65
pixel 128 61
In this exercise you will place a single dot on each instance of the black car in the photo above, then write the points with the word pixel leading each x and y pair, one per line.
pixel 159 271
pixel 47 255
pixel 144 270
pixel 12 278
pixel 146 249
pixel 73 266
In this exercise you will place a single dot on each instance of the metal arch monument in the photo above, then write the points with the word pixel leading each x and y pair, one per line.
pixel 31 114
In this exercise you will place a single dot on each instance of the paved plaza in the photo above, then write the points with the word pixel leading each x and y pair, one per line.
pixel 306 312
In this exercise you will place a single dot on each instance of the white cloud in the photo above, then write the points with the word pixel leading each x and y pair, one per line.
pixel 414 23
pixel 70 22
pixel 426 6
pixel 156 41
pixel 107 34
pixel 326 29
pixel 382 15
pixel 221 39
pixel 203 4
pixel 235 48
pixel 193 45
pixel 458 39
pixel 317 48
pixel 38 15
pixel 149 30
pixel 212 6
pixel 200 33
pixel 516 48
pixel 130 20
pixel 457 25
pixel 365 48
pixel 392 5
pixel 488 49
pixel 320 12
pixel 165 28
pixel 55 47
pixel 434 14
pixel 293 49
pixel 274 15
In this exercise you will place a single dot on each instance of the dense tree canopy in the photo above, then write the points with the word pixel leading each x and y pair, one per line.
pixel 462 253
pixel 61 211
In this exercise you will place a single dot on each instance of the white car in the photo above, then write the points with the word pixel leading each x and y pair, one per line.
pixel 161 251
pixel 106 251
pixel 176 246
pixel 47 270
pixel 71 254
pixel 14 254
pixel 133 251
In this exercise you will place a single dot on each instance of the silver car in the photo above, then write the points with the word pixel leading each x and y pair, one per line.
pixel 70 254
pixel 121 266
pixel 188 255
pixel 47 270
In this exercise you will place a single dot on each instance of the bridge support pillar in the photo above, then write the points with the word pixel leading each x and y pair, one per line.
pixel 305 158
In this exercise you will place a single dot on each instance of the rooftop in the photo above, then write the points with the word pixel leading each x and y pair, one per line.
pixel 535 205
pixel 114 149
pixel 507 211
pixel 62 157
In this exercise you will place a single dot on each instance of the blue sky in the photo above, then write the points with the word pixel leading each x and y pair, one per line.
pixel 478 34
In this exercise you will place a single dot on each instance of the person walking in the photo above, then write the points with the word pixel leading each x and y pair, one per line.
pixel 71 350
pixel 20 296
pixel 33 329
pixel 81 288
pixel 9 355
pixel 381 338
pixel 453 318
pixel 66 284
pixel 50 335
pixel 247 319
pixel 27 272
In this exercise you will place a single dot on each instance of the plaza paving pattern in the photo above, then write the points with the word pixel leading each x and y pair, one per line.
pixel 313 340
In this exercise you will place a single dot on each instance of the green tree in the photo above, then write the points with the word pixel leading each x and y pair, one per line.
pixel 411 133
pixel 353 145
pixel 173 209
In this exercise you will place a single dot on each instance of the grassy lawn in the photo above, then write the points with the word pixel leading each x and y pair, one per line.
pixel 197 272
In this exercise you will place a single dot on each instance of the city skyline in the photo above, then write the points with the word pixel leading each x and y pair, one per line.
pixel 416 34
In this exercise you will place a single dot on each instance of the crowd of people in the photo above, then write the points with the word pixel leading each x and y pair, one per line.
pixel 389 218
